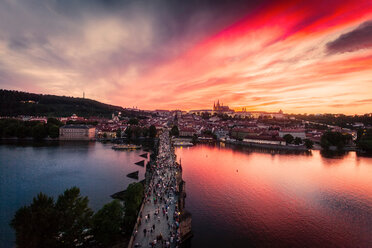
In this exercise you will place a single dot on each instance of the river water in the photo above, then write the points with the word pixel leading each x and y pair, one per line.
pixel 238 198
pixel 95 168
pixel 245 198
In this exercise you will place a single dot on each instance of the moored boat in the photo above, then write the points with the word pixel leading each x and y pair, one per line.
pixel 126 147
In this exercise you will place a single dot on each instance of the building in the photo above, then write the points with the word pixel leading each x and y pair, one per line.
pixel 77 132
pixel 265 140
pixel 219 108
pixel 187 132
pixel 241 133
pixel 300 133
pixel 200 111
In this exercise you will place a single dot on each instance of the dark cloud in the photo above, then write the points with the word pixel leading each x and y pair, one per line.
pixel 359 38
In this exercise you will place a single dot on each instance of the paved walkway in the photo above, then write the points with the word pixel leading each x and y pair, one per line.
pixel 159 218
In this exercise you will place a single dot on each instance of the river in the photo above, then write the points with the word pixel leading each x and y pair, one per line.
pixel 245 198
pixel 27 170
pixel 238 198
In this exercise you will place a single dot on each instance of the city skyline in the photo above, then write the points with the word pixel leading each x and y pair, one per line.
pixel 302 57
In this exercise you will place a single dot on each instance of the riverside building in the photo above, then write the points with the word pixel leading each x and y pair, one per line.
pixel 77 132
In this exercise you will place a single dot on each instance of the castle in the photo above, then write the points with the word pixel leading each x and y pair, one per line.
pixel 219 108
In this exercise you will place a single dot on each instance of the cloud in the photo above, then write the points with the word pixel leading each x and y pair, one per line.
pixel 185 54
pixel 357 39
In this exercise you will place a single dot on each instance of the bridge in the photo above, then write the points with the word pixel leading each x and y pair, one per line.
pixel 162 220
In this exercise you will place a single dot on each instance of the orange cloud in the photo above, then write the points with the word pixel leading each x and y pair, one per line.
pixel 274 59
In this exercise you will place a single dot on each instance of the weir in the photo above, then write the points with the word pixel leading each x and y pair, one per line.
pixel 162 220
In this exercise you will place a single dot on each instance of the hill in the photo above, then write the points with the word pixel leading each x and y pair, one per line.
pixel 13 103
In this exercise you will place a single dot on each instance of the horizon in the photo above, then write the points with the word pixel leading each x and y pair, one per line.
pixel 232 108
pixel 302 57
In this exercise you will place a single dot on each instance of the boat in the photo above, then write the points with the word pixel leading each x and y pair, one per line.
pixel 183 143
pixel 126 147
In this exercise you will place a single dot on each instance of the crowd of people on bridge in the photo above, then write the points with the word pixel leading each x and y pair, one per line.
pixel 159 219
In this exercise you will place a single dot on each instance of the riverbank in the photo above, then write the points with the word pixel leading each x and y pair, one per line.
pixel 267 146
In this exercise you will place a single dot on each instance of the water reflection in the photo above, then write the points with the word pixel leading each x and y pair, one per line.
pixel 27 169
pixel 244 197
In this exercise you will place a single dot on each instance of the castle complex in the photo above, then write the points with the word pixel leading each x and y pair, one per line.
pixel 219 108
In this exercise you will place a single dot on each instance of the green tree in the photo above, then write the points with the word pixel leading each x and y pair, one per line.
pixel 174 131
pixel 288 138
pixel 118 133
pixel 21 131
pixel 145 132
pixel 152 131
pixel 136 131
pixel 39 132
pixel 53 131
pixel 54 121
pixel 133 121
pixel 133 198
pixel 324 143
pixel 128 132
pixel 108 223
pixel 364 140
pixel 195 139
pixel 309 143
pixel 36 225
pixel 335 139
pixel 297 141
pixel 74 217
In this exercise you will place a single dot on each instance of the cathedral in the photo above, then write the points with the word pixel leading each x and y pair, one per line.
pixel 219 108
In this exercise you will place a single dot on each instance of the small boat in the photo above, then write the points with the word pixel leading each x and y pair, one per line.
pixel 183 144
pixel 133 175
pixel 126 147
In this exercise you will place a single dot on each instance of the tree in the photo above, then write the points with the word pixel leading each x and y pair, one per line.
pixel 21 132
pixel 54 121
pixel 309 143
pixel 133 121
pixel 53 131
pixel 39 132
pixel 118 133
pixel 108 223
pixel 133 198
pixel 335 139
pixel 145 132
pixel 152 131
pixel 324 143
pixel 297 141
pixel 128 132
pixel 288 138
pixel 174 131
pixel 136 131
pixel 36 225
pixel 364 140
pixel 74 217
pixel 195 139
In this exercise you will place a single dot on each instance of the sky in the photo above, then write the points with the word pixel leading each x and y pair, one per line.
pixel 299 56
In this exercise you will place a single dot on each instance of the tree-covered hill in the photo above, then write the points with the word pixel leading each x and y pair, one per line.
pixel 13 103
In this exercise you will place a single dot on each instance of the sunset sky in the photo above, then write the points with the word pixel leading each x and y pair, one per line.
pixel 300 56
